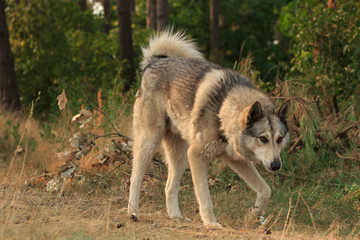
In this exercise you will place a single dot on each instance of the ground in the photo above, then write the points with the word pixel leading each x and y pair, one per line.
pixel 27 212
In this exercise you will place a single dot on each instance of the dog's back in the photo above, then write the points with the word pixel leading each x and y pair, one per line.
pixel 187 85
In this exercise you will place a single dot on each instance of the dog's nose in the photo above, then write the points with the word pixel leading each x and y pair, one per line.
pixel 275 165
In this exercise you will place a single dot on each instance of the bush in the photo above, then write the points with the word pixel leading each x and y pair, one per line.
pixel 326 50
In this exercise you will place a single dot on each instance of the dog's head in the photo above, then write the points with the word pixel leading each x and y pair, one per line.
pixel 263 135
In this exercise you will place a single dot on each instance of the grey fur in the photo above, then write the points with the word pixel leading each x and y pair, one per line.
pixel 199 111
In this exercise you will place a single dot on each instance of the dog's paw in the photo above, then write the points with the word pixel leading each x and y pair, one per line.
pixel 254 210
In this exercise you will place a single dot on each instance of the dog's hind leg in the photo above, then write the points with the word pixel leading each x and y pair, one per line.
pixel 176 157
pixel 149 127
pixel 251 176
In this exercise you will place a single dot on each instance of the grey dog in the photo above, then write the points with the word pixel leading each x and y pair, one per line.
pixel 199 111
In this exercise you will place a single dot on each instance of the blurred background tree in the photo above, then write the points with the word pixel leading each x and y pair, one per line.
pixel 325 49
pixel 9 96
pixel 75 44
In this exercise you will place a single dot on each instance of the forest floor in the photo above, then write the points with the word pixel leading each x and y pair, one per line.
pixel 40 201
pixel 28 211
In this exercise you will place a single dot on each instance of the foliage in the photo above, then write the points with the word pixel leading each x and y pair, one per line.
pixel 57 46
pixel 254 24
pixel 249 23
pixel 325 47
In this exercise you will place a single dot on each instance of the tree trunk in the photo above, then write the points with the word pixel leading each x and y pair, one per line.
pixel 151 14
pixel 126 49
pixel 162 10
pixel 82 4
pixel 9 95
pixel 214 31
pixel 132 5
pixel 107 15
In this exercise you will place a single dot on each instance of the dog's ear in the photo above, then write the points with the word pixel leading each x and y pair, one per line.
pixel 254 114
pixel 283 110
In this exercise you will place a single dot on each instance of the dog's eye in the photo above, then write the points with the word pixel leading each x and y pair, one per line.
pixel 279 140
pixel 263 139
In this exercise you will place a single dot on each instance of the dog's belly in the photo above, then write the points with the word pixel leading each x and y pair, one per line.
pixel 178 123
pixel 172 128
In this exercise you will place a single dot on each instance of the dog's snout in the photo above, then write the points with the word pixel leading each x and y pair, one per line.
pixel 275 165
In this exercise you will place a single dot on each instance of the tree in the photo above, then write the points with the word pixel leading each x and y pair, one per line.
pixel 126 48
pixel 82 5
pixel 162 10
pixel 107 15
pixel 151 14
pixel 132 5
pixel 214 31
pixel 9 95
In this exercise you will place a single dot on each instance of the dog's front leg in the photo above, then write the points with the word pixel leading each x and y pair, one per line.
pixel 251 176
pixel 198 166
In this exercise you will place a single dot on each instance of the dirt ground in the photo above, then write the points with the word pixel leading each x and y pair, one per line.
pixel 30 213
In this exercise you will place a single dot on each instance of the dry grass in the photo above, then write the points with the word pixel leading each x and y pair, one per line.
pixel 27 213
pixel 95 208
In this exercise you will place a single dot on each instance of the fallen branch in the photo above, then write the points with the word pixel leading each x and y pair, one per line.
pixel 343 157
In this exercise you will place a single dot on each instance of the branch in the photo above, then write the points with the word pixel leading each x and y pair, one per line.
pixel 317 101
pixel 346 197
pixel 336 106
pixel 116 167
pixel 298 142
pixel 108 135
pixel 343 157
pixel 354 125
pixel 101 111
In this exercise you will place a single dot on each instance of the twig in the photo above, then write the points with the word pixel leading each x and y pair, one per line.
pixel 287 217
pixel 26 128
pixel 112 170
pixel 301 178
pixel 354 125
pixel 343 157
pixel 346 197
pixel 108 135
pixel 279 97
pixel 311 216
pixel 336 106
pixel 276 219
pixel 317 101
pixel 298 142
pixel 293 214
pixel 106 116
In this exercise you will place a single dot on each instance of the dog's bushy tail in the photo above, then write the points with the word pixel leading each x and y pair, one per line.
pixel 169 44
